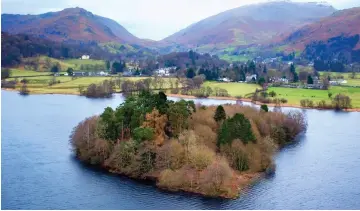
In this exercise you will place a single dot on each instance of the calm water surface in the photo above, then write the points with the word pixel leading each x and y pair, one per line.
pixel 38 170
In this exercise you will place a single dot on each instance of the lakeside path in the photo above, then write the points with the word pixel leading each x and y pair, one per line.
pixel 211 97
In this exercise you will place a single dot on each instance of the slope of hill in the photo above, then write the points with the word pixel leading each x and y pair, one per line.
pixel 336 36
pixel 14 48
pixel 250 24
pixel 72 24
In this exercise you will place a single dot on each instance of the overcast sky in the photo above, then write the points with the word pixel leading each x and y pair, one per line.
pixel 152 19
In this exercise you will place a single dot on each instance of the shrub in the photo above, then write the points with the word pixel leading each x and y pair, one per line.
pixel 220 114
pixel 5 73
pixel 215 177
pixel 278 135
pixel 8 84
pixel 170 155
pixel 24 90
pixel 175 91
pixel 170 179
pixel 290 126
pixel 341 101
pixel 272 94
pixel 322 104
pixel 123 158
pixel 264 108
pixel 276 101
pixel 283 100
pixel 236 156
pixel 306 103
pixel 102 90
pixel 264 94
pixel 200 156
pixel 87 145
pixel 263 100
pixel 24 81
pixel 141 134
pixel 237 127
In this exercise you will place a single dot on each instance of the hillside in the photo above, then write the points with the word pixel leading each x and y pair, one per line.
pixel 15 48
pixel 336 36
pixel 71 25
pixel 246 25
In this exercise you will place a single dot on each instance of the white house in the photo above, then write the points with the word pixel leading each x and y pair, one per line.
pixel 164 71
pixel 250 78
pixel 85 57
pixel 102 73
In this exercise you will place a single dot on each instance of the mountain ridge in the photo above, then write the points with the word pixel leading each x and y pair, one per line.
pixel 69 25
pixel 239 26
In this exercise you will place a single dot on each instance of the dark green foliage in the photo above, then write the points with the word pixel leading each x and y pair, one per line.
pixel 237 127
pixel 220 114
pixel 265 69
pixel 296 77
pixel 141 134
pixel 252 67
pixel 178 115
pixel 261 81
pixel 292 68
pixel 129 116
pixel 108 123
pixel 70 71
pixel 310 80
pixel 108 65
pixel 190 73
pixel 264 108
pixel 335 66
pixel 294 73
pixel 118 67
pixel 56 68
pixel 24 90
pixel 330 95
pixel 5 73
pixel 272 94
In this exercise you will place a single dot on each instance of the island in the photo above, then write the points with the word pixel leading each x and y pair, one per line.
pixel 214 151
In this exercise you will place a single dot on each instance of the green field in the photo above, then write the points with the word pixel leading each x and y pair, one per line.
pixel 235 58
pixel 353 82
pixel 70 85
pixel 295 95
pixel 234 89
pixel 84 62
pixel 64 64
pixel 18 72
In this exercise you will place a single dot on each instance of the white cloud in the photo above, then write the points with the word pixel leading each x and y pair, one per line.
pixel 153 19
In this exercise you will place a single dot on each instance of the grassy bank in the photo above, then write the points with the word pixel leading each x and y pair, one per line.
pixel 295 95
pixel 234 89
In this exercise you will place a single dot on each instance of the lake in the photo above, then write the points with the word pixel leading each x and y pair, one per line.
pixel 39 171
